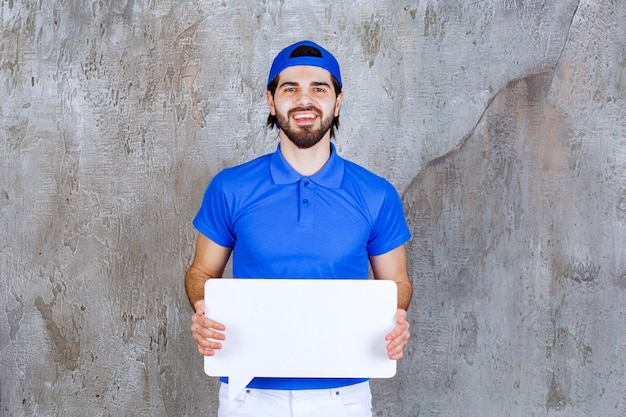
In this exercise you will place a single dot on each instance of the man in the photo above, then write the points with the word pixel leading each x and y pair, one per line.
pixel 300 212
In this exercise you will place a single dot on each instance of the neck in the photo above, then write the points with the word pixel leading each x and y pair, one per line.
pixel 305 161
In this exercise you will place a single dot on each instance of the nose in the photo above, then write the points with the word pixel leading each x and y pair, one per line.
pixel 304 99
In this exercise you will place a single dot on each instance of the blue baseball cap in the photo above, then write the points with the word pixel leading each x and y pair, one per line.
pixel 318 57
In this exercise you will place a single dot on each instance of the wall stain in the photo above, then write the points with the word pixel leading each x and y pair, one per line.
pixel 621 281
pixel 14 316
pixel 565 347
pixel 621 207
pixel 584 272
pixel 17 132
pixel 188 76
pixel 556 399
pixel 412 12
pixel 520 124
pixel 434 24
pixel 4 199
pixel 370 40
pixel 66 351
pixel 468 337
pixel 130 322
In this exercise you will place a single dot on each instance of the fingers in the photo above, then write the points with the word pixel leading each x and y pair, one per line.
pixel 207 333
pixel 399 337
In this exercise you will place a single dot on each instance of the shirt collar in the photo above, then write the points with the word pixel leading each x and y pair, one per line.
pixel 330 176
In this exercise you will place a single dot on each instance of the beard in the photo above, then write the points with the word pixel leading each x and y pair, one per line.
pixel 306 136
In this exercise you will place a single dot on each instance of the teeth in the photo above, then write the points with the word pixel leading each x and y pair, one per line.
pixel 304 116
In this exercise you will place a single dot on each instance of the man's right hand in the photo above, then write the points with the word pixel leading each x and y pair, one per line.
pixel 206 332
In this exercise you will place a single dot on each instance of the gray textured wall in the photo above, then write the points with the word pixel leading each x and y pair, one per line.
pixel 500 122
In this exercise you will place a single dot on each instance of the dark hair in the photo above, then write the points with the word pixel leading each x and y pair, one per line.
pixel 304 51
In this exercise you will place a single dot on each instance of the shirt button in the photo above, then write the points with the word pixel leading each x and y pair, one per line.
pixel 305 201
pixel 306 183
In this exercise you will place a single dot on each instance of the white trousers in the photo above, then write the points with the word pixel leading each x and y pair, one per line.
pixel 351 401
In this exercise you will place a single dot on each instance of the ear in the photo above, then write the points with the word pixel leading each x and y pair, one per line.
pixel 270 102
pixel 338 103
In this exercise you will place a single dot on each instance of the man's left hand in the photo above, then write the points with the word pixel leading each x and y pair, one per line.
pixel 399 337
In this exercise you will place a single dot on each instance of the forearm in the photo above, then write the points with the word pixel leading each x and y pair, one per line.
pixel 194 284
pixel 405 293
pixel 392 266
pixel 209 262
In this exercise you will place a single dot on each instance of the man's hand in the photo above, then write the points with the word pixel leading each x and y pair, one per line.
pixel 206 332
pixel 399 337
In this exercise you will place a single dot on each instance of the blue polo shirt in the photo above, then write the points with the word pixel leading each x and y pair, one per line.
pixel 281 224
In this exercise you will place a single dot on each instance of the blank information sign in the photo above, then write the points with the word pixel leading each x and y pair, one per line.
pixel 320 328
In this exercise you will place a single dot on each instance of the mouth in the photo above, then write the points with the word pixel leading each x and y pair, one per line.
pixel 304 117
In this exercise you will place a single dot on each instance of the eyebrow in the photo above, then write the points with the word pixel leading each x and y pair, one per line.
pixel 296 84
pixel 320 84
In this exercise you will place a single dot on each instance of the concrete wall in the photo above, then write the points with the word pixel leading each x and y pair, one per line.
pixel 500 122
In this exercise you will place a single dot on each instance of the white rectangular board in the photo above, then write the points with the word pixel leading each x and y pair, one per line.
pixel 297 328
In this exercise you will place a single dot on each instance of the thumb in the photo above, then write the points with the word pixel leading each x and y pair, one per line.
pixel 401 316
pixel 199 307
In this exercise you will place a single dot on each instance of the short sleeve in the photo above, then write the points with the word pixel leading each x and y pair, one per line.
pixel 214 218
pixel 390 229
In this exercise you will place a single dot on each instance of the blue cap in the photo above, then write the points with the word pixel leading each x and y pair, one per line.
pixel 324 60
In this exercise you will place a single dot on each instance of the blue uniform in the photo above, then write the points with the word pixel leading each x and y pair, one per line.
pixel 282 224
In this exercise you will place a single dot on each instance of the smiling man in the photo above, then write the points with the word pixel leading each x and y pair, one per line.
pixel 301 212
